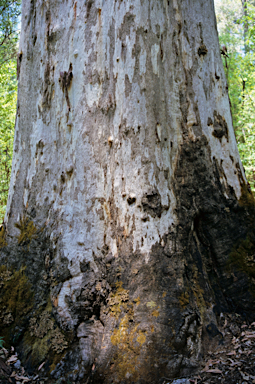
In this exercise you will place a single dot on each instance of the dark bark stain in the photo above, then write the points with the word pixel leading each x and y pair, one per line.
pixel 32 33
pixel 151 203
pixel 65 80
pixel 19 59
pixel 202 50
pixel 218 223
pixel 220 126
pixel 47 93
pixel 128 22
pixel 89 5
pixel 128 86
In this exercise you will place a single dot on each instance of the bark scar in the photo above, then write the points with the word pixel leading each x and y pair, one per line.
pixel 65 80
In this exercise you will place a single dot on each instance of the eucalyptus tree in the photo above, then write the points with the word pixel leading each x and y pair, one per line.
pixel 129 223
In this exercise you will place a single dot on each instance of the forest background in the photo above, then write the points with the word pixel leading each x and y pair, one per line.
pixel 236 28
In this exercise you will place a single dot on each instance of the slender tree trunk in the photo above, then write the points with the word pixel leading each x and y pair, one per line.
pixel 129 221
pixel 245 25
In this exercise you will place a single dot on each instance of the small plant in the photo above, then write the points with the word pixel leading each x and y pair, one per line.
pixel 1 342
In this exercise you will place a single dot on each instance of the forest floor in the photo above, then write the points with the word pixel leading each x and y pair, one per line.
pixel 231 357
pixel 230 360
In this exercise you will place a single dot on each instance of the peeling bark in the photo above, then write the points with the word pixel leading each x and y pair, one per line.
pixel 128 203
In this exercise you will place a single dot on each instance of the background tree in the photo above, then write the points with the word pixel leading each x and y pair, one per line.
pixel 129 224
pixel 9 34
pixel 8 99
pixel 236 32
pixel 9 29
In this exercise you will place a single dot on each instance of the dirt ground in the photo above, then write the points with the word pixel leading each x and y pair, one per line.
pixel 230 360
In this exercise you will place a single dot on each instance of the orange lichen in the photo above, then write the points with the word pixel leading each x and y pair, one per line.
pixel 155 313
pixel 137 300
pixel 128 339
pixel 119 300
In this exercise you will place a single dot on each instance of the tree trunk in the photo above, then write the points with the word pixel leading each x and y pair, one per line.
pixel 129 225
pixel 245 26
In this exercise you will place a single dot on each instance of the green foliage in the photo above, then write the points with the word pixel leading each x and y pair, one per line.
pixel 1 342
pixel 8 98
pixel 9 32
pixel 237 32
pixel 9 35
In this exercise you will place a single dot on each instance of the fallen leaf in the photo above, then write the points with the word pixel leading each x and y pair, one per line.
pixel 12 359
pixel 209 363
pixel 25 379
pixel 249 337
pixel 5 351
pixel 214 371
pixel 40 367
pixel 244 376
pixel 236 363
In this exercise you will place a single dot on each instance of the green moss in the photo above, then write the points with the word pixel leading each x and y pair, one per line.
pixel 27 231
pixel 198 293
pixel 247 198
pixel 242 256
pixel 184 299
pixel 3 242
pixel 16 300
pixel 16 295
pixel 44 339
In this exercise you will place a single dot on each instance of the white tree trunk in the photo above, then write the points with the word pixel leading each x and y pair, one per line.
pixel 126 164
